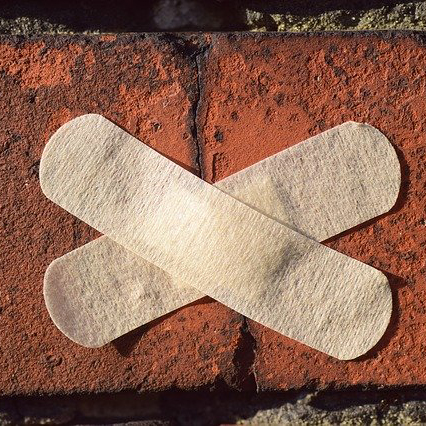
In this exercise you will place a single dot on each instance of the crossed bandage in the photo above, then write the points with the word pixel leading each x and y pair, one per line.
pixel 249 241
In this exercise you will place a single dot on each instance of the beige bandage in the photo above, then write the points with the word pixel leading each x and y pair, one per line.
pixel 101 291
pixel 242 258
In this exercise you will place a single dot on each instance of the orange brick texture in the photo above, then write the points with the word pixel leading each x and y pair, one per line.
pixel 215 104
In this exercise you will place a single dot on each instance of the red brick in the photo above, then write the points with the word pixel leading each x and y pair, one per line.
pixel 259 94
pixel 146 85
pixel 263 93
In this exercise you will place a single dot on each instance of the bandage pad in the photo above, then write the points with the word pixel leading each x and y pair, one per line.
pixel 222 247
pixel 101 291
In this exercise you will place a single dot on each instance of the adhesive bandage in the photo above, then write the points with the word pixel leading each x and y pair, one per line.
pixel 222 247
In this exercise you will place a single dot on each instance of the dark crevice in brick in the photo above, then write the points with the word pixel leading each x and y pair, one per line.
pixel 194 48
pixel 195 111
pixel 200 60
pixel 244 358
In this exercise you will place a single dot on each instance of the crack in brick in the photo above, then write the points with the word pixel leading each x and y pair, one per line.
pixel 244 358
pixel 195 109
pixel 192 48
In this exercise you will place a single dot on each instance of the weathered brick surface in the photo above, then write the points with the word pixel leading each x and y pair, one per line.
pixel 147 86
pixel 258 95
pixel 264 93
